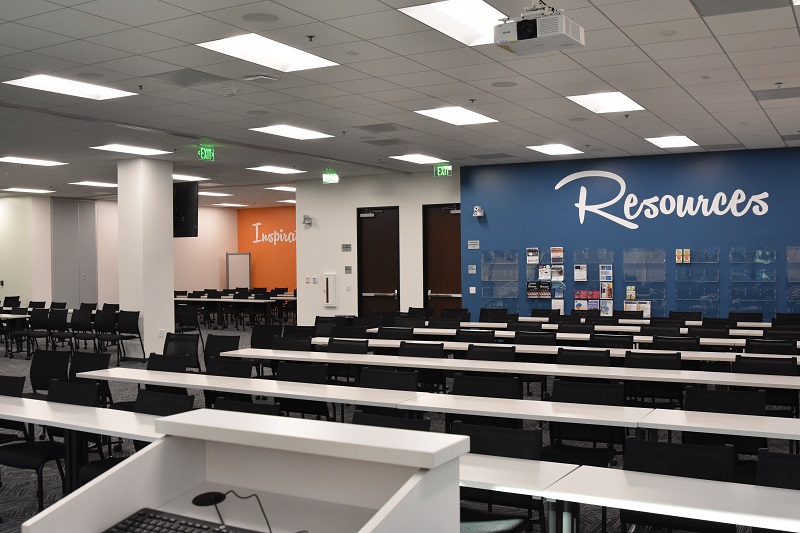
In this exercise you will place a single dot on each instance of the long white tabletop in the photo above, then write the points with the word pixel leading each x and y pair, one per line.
pixel 506 474
pixel 733 503
pixel 774 427
pixel 540 369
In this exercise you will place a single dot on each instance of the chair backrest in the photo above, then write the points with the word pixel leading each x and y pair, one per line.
pixel 575 327
pixel 474 335
pixel 113 307
pixel 367 322
pixel 493 315
pixel 391 332
pixel 776 333
pixel 81 320
pixel 12 385
pixel 409 322
pixel 87 362
pixel 685 460
pixel 295 344
pixel 38 318
pixel 621 313
pixel 567 356
pixel 779 366
pixel 524 326
pixel 128 322
pixel 188 316
pixel 216 344
pixel 164 363
pixel 58 305
pixel 368 419
pixel 424 312
pixel 676 343
pixel 460 314
pixel 606 340
pixel 57 321
pixel 666 360
pixel 716 322
pixel 445 323
pixel 349 332
pixel 535 337
pixel 183 345
pixel 421 349
pixel 381 378
pixel 299 331
pixel 47 366
pixel 708 332
pixel 36 304
pixel 105 321
pixel 686 315
pixel 780 470
pixel 741 402
pixel 302 372
pixel 87 394
pixel 11 301
pixel 545 312
pixel 501 441
pixel 491 353
pixel 225 366
pixel 589 393
pixel 91 306
pixel 162 404
pixel 661 331
pixel 348 346
pixel 786 347
pixel 227 404
pixel 487 387
pixel 262 334
pixel 746 316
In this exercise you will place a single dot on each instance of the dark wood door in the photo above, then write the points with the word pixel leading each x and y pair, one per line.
pixel 378 260
pixel 442 259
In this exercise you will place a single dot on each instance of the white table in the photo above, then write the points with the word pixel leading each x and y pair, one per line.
pixel 733 503
pixel 506 474
pixel 772 427
pixel 230 300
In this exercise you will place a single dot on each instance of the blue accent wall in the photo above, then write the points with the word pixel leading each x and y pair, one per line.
pixel 524 209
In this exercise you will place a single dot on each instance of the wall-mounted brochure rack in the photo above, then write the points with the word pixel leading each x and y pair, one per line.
pixel 500 280
pixel 793 279
pixel 697 282
pixel 646 270
pixel 753 280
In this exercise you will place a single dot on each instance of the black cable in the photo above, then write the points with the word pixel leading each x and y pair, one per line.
pixel 254 495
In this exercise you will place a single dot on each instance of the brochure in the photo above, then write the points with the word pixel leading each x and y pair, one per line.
pixel 557 272
pixel 606 308
pixel 544 272
pixel 532 256
pixel 557 255
pixel 606 290
pixel 593 304
pixel 580 304
pixel 606 273
pixel 581 272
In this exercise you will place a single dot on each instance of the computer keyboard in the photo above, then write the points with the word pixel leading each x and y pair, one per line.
pixel 152 521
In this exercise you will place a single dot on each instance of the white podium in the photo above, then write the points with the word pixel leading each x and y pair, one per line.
pixel 309 475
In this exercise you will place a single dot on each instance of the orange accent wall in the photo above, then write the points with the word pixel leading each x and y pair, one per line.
pixel 269 235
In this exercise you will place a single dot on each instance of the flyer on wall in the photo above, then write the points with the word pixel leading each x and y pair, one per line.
pixel 544 272
pixel 556 255
pixel 581 272
pixel 606 273
pixel 607 290
pixel 606 308
pixel 557 273
pixel 532 256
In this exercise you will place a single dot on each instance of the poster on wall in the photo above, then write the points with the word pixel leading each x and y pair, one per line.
pixel 533 289
pixel 580 304
pixel 544 289
pixel 639 305
pixel 557 305
pixel 544 272
pixel 532 256
pixel 558 290
pixel 606 273
pixel 557 255
pixel 581 272
pixel 607 290
pixel 557 273
pixel 593 305
pixel 606 308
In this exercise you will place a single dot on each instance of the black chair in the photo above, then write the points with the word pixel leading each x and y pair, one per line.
pixel 474 335
pixel 661 330
pixel 159 363
pixel 709 332
pixel 217 344
pixel 786 400
pixel 296 344
pixel 348 332
pixel 545 312
pixel 567 356
pixel 58 305
pixel 261 335
pixel 444 323
pixel 368 322
pixel 394 333
pixel 460 314
pixel 493 315
pixel 112 307
pixel 620 313
pixel 88 306
pixel 606 340
pixel 390 379
pixel 355 346
pixel 770 346
pixel 370 419
pixel 409 322
pixel 303 373
pixel 299 331
pixel 219 366
pixel 746 316
pixel 424 312
pixel 12 386
pixel 486 387
pixel 82 328
pixel 683 316
pixel 128 329
pixel 188 319
pixel 147 402
pixel 47 366
pixel 603 439
pixel 11 301
pixel 430 379
pixel 88 362
pixel 183 345
pixel 503 442
pixel 34 455
pixel 36 329
pixel 575 327
pixel 637 392
pixel 781 334
pixel 676 344
pixel 547 338
pixel 781 470
pixel 477 352
pixel 226 404
pixel 524 326
pixel 105 325
pixel 58 328
pixel 480 521
pixel 686 460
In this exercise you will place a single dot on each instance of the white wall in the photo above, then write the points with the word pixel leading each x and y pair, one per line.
pixel 107 252
pixel 333 212
pixel 25 239
pixel 200 261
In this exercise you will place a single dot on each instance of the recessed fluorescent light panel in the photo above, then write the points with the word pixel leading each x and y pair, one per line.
pixel 277 170
pixel 29 191
pixel 26 161
pixel 126 149
pixel 42 82
pixel 231 205
pixel 672 141
pixel 555 149
pixel 184 177
pixel 292 132
pixel 418 159
pixel 614 102
pixel 282 188
pixel 209 193
pixel 288 201
pixel 94 184
pixel 456 115
pixel 262 51
pixel 470 22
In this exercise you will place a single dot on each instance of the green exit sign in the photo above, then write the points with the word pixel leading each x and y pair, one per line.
pixel 443 169
pixel 205 152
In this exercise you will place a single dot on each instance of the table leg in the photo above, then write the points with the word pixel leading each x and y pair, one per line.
pixel 75 456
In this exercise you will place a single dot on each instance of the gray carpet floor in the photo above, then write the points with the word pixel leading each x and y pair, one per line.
pixel 18 491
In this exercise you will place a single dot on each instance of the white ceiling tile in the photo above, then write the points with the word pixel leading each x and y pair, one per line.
pixel 677 49
pixel 721 87
pixel 665 32
pixel 387 67
pixel 380 24
pixel 135 41
pixel 736 23
pixel 605 38
pixel 37 63
pixel 457 57
pixel 183 95
pixel 695 64
pixel 765 57
pixel 195 29
pixel 323 34
pixel 543 63
pixel 775 72
pixel 316 92
pixel 347 101
pixel 83 52
pixel 321 9
pixel 332 74
pixel 742 42
pixel 187 56
pixel 630 70
pixel 417 43
pixel 590 18
pixel 133 13
pixel 648 11
pixel 26 38
pixel 548 79
pixel 73 23
pixel 353 52
pixel 367 85
pixel 486 71
pixel 612 56
pixel 420 79
pixel 267 98
pixel 283 17
pixel 395 95
pixel 499 85
pixel 7 50
pixel 201 6
pixel 138 66
pixel 642 82
pixel 26 8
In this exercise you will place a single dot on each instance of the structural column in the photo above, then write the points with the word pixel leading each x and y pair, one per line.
pixel 146 265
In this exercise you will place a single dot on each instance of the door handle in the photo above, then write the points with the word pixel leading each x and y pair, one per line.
pixel 394 294
pixel 443 295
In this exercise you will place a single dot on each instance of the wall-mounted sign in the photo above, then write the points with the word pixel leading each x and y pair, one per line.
pixel 472 269
pixel 443 169
pixel 330 176
pixel 347 247
pixel 473 245
pixel 205 152
pixel 273 237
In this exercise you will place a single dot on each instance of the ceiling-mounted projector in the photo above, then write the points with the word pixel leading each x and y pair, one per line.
pixel 541 28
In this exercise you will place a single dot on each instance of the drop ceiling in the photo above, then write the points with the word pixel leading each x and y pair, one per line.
pixel 725 73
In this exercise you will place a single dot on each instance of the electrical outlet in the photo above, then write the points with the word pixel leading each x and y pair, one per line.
pixel 348 288
pixel 161 333
pixel 308 280
pixel 314 280
pixel 473 290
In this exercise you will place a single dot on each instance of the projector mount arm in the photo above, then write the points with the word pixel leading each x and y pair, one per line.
pixel 538 9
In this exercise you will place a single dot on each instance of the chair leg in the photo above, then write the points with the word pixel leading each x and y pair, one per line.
pixel 63 477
